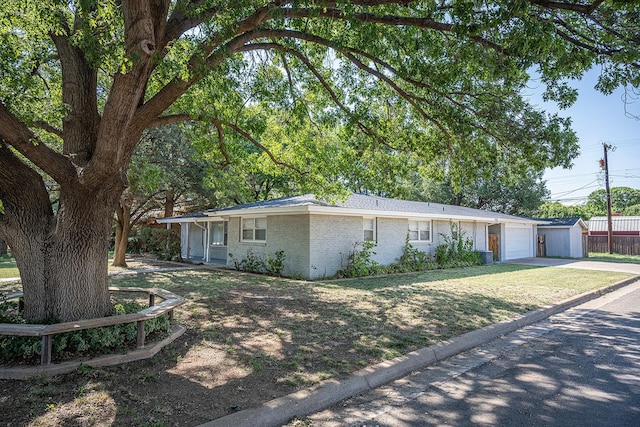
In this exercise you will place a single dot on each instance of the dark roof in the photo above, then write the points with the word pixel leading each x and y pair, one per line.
pixel 560 222
pixel 283 202
pixel 373 203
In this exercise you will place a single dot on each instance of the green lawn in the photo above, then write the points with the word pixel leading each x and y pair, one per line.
pixel 252 338
pixel 8 267
pixel 629 259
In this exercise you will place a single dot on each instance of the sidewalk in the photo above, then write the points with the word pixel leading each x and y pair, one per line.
pixel 579 264
pixel 279 411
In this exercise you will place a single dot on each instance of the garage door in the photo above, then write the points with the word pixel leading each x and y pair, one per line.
pixel 518 241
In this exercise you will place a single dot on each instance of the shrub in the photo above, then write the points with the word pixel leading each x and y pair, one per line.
pixel 275 265
pixel 413 259
pixel 359 261
pixel 104 340
pixel 457 250
pixel 162 243
pixel 255 264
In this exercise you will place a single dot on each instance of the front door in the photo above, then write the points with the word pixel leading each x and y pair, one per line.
pixel 494 246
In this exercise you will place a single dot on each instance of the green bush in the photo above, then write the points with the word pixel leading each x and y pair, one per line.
pixel 457 250
pixel 413 259
pixel 275 265
pixel 88 342
pixel 359 261
pixel 162 243
pixel 255 264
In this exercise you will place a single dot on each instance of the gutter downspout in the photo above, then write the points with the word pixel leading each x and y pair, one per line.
pixel 188 241
pixel 205 248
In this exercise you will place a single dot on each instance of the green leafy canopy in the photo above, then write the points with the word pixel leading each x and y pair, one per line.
pixel 438 82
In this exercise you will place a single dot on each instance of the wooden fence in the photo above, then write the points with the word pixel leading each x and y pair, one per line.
pixel 623 245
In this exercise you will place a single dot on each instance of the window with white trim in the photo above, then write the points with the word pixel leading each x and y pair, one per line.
pixel 254 229
pixel 369 229
pixel 218 234
pixel 419 231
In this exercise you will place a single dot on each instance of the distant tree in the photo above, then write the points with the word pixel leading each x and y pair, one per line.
pixel 633 210
pixel 165 169
pixel 558 210
pixel 621 199
pixel 501 192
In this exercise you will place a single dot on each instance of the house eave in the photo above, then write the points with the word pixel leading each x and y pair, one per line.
pixel 179 220
pixel 342 211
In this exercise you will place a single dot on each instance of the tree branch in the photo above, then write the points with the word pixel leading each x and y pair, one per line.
pixel 210 54
pixel 355 61
pixel 47 127
pixel 176 118
pixel 325 85
pixel 17 179
pixel 390 20
pixel 264 149
pixel 586 9
pixel 222 144
pixel 20 137
pixel 79 93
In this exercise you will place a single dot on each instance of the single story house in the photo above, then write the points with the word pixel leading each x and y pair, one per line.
pixel 317 236
pixel 620 226
pixel 562 237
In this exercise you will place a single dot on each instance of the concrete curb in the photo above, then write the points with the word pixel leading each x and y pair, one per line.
pixel 279 411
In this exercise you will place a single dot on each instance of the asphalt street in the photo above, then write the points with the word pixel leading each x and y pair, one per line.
pixel 578 368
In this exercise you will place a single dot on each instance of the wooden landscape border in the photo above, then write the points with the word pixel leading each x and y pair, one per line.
pixel 169 302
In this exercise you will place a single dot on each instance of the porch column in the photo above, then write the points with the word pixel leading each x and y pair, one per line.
pixel 188 241
pixel 207 243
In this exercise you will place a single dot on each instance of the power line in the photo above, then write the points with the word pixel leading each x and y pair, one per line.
pixel 566 193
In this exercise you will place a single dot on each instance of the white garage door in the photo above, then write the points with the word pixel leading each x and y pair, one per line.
pixel 518 241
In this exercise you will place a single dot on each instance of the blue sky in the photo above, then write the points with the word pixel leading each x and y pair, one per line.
pixel 597 118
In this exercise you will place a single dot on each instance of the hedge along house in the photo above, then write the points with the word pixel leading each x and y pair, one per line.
pixel 317 236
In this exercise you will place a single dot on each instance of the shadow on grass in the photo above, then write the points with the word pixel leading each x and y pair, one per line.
pixel 372 282
pixel 251 339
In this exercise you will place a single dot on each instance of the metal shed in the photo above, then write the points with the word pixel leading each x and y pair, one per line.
pixel 563 237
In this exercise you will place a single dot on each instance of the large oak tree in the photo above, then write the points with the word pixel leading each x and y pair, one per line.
pixel 81 80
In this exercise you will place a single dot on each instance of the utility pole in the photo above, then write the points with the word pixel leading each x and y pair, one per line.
pixel 608 147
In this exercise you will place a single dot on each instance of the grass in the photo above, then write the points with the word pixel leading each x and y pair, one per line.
pixel 9 270
pixel 8 267
pixel 628 259
pixel 252 338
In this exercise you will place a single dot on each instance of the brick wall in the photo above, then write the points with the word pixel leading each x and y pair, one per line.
pixel 289 233
pixel 331 240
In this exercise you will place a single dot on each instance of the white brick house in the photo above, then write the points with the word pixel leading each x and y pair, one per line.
pixel 317 236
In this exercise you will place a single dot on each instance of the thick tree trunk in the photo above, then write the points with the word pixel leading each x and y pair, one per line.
pixel 63 262
pixel 3 247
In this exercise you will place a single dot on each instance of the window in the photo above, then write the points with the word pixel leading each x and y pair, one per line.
pixel 218 234
pixel 369 228
pixel 254 229
pixel 420 231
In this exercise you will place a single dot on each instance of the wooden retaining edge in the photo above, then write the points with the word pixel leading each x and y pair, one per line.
pixel 26 372
pixel 46 332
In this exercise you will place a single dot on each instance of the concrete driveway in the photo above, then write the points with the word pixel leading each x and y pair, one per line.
pixel 580 264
